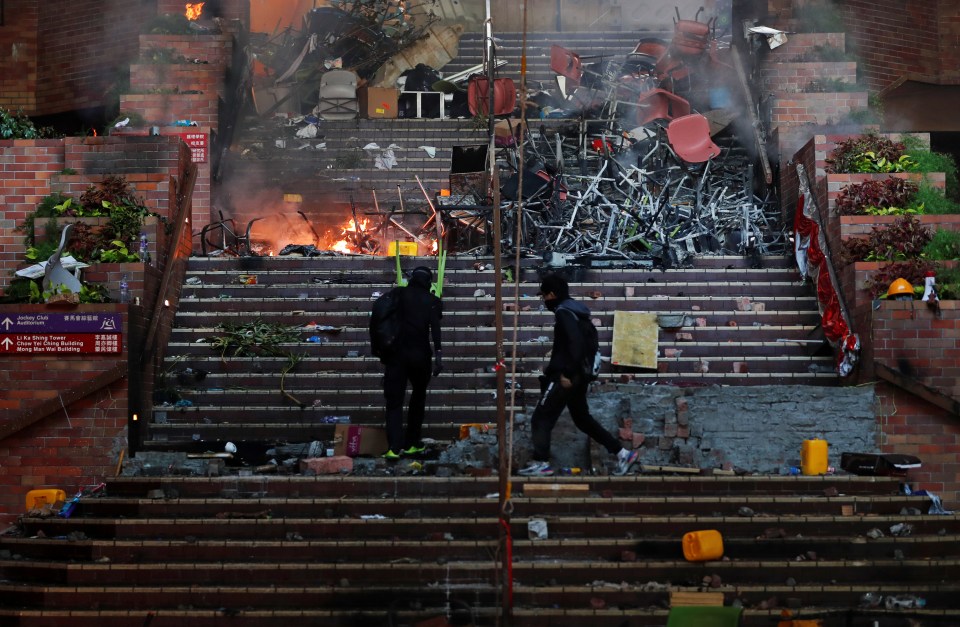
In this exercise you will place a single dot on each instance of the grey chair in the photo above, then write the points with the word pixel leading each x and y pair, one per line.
pixel 338 96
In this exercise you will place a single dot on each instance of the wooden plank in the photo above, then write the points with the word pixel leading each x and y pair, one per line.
pixel 535 489
pixel 696 598
pixel 678 469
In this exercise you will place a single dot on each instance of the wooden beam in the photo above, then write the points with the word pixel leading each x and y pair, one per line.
pixel 695 598
pixel 677 469
pixel 917 388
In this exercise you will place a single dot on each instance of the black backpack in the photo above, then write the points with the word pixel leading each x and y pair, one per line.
pixel 386 320
pixel 592 359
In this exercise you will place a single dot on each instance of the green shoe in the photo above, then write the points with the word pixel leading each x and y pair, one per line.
pixel 390 456
pixel 413 450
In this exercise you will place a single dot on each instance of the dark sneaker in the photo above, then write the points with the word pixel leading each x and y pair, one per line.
pixel 536 469
pixel 413 450
pixel 625 463
pixel 390 456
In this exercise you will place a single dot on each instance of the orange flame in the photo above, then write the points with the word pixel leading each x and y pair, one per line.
pixel 351 230
pixel 194 10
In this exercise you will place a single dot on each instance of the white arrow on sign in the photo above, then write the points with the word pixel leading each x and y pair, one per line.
pixel 6 343
pixel 6 323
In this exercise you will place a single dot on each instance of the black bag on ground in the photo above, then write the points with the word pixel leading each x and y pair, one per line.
pixel 386 320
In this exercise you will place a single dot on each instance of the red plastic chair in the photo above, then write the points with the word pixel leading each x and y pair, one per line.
pixel 566 63
pixel 690 138
pixel 504 96
pixel 660 104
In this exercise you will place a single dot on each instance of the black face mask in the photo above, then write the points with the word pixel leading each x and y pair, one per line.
pixel 552 304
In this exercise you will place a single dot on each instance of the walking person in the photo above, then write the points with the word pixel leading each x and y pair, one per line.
pixel 411 360
pixel 564 384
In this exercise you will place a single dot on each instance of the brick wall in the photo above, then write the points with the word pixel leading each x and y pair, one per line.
pixel 896 38
pixel 912 339
pixel 70 449
pixel 18 61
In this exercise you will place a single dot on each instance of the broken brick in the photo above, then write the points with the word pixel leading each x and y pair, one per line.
pixel 327 465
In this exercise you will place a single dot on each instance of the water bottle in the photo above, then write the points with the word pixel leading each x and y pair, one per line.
pixel 144 254
pixel 124 288
pixel 789 470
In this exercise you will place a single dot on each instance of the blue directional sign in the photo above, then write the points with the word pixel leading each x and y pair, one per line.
pixel 73 322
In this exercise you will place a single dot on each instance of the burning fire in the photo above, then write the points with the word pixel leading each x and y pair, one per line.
pixel 354 238
pixel 194 10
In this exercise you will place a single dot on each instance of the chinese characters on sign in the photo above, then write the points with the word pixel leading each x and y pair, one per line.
pixel 61 333
pixel 198 145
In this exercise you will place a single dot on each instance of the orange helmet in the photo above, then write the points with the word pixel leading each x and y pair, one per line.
pixel 900 287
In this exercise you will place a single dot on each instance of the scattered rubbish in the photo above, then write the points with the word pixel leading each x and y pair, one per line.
pixel 537 529
pixel 905 601
pixel 901 529
pixel 869 464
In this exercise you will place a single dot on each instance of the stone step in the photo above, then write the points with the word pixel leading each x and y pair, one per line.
pixel 612 549
pixel 399 507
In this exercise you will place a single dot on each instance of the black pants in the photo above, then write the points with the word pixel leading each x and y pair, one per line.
pixel 553 399
pixel 398 373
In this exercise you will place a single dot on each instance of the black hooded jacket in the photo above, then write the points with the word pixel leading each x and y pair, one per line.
pixel 566 356
pixel 422 312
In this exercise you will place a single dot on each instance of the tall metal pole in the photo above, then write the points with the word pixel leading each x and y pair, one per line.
pixel 503 467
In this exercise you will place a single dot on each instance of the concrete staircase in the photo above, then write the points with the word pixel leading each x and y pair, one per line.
pixel 349 550
pixel 737 326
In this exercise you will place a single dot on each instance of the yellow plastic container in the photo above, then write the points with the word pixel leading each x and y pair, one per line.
pixel 813 457
pixel 406 248
pixel 702 546
pixel 48 496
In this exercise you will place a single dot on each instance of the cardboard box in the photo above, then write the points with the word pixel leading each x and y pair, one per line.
pixel 378 102
pixel 356 440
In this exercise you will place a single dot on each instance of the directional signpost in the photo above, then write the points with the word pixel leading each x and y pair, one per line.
pixel 31 333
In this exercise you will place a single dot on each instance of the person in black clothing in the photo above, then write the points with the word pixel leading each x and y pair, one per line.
pixel 411 362
pixel 564 385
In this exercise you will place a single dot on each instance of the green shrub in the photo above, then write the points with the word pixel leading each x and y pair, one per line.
pixel 168 24
pixel 19 126
pixel 944 246
pixel 890 196
pixel 948 283
pixel 819 17
pixel 847 155
pixel 903 240
pixel 928 161
pixel 931 200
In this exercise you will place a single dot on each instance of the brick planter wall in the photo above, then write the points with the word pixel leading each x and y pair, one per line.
pixel 912 339
pixel 32 169
pixel 797 77
pixel 71 449
pixel 206 78
pixel 816 108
